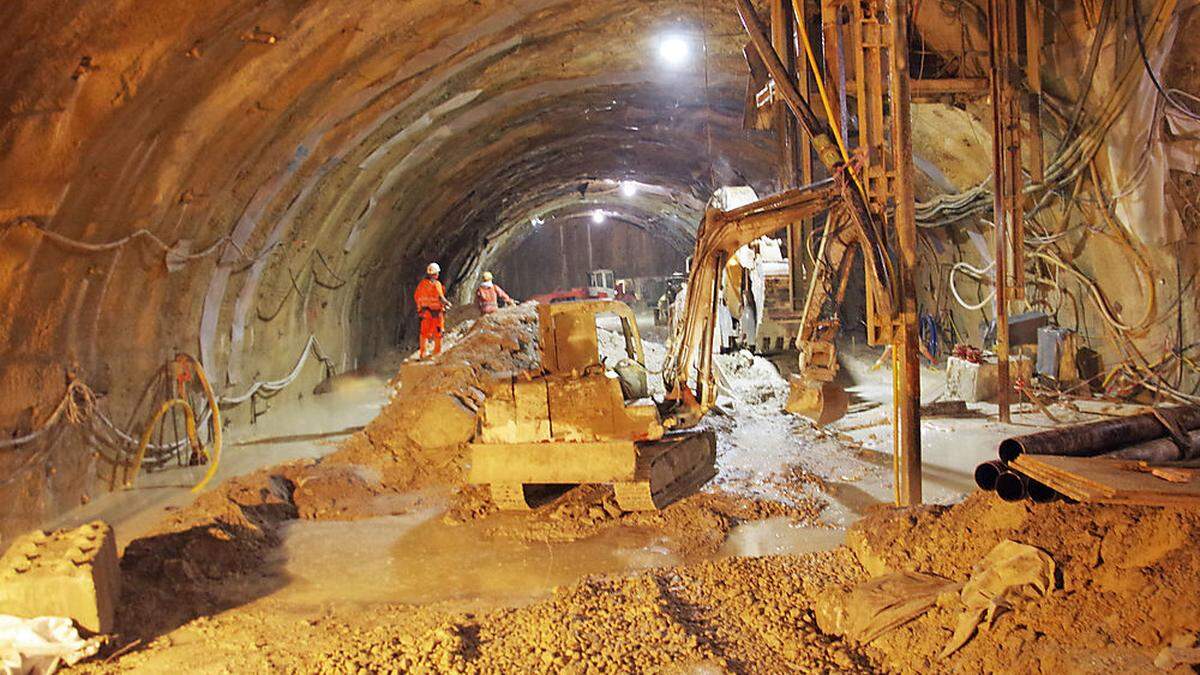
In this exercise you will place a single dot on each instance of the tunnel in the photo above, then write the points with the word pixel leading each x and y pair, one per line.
pixel 214 217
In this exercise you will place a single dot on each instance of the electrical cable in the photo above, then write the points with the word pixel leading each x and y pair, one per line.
pixel 1141 41
pixel 958 266
pixel 801 22
pixel 78 403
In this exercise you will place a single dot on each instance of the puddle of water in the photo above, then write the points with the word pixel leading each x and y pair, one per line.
pixel 777 536
pixel 418 559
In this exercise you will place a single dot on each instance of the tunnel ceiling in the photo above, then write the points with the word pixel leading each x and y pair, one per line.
pixel 286 167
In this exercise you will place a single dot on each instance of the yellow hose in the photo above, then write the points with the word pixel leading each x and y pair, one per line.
pixel 190 425
pixel 812 62
pixel 215 456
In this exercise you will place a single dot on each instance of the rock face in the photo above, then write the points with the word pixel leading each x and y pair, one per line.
pixel 68 573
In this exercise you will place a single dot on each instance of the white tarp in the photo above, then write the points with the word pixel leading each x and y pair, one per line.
pixel 38 646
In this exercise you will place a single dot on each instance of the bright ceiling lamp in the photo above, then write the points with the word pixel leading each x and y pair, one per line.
pixel 597 216
pixel 673 49
pixel 628 188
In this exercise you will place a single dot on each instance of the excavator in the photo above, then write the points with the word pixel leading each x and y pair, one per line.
pixel 580 419
pixel 584 419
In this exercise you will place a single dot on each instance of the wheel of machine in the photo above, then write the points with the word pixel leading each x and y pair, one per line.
pixel 509 496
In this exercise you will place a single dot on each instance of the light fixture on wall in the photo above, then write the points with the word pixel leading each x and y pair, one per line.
pixel 628 188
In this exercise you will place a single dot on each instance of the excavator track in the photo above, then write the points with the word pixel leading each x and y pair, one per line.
pixel 674 467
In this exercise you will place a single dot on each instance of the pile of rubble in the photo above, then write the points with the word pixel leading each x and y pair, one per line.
pixel 420 437
pixel 1128 583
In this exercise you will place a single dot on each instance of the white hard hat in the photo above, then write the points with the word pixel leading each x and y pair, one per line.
pixel 487 276
pixel 433 268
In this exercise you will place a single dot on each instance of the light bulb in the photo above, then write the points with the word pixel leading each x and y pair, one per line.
pixel 673 50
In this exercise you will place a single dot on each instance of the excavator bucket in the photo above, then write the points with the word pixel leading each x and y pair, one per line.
pixel 821 402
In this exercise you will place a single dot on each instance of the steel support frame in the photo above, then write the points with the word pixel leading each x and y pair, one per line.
pixel 906 359
pixel 877 51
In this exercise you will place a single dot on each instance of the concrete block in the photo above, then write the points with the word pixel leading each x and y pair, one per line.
pixel 975 382
pixel 970 382
pixel 68 573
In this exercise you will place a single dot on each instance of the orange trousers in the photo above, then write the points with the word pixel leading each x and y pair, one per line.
pixel 433 324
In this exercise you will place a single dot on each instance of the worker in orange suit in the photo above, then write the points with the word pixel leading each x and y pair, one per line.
pixel 489 295
pixel 431 307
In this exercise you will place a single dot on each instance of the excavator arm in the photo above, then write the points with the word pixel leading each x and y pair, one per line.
pixel 688 374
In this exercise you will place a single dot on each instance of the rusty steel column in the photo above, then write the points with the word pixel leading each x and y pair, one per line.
pixel 783 40
pixel 906 371
pixel 1006 183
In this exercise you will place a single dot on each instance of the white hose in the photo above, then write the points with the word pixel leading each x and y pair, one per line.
pixel 312 346
pixel 974 270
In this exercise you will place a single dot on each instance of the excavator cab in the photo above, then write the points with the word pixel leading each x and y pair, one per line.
pixel 625 358
pixel 585 417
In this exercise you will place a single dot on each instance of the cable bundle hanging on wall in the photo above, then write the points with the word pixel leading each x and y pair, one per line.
pixel 79 407
pixel 174 255
pixel 1072 157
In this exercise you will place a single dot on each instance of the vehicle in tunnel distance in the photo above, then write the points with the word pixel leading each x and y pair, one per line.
pixel 601 286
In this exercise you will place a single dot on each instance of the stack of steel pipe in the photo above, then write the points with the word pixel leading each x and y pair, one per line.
pixel 1163 435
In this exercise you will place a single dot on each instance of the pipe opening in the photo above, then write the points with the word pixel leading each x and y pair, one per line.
pixel 1011 486
pixel 1010 449
pixel 987 473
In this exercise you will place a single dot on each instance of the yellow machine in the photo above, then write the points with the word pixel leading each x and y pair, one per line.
pixel 584 420
pixel 581 419
pixel 689 373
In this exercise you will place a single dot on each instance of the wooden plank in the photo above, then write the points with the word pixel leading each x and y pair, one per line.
pixel 948 86
pixel 1067 484
pixel 1107 480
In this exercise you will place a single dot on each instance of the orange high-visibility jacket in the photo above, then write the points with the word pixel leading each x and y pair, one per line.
pixel 488 298
pixel 430 296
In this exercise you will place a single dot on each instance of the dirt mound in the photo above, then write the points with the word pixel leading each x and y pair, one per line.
pixel 174 574
pixel 738 615
pixel 1129 583
pixel 419 438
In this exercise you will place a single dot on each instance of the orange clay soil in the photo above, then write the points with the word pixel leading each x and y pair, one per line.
pixel 1127 587
pixel 1129 584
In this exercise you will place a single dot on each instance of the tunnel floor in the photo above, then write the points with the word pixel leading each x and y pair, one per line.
pixel 428 580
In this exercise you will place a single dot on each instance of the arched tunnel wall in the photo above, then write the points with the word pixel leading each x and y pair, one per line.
pixel 227 179
pixel 560 254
